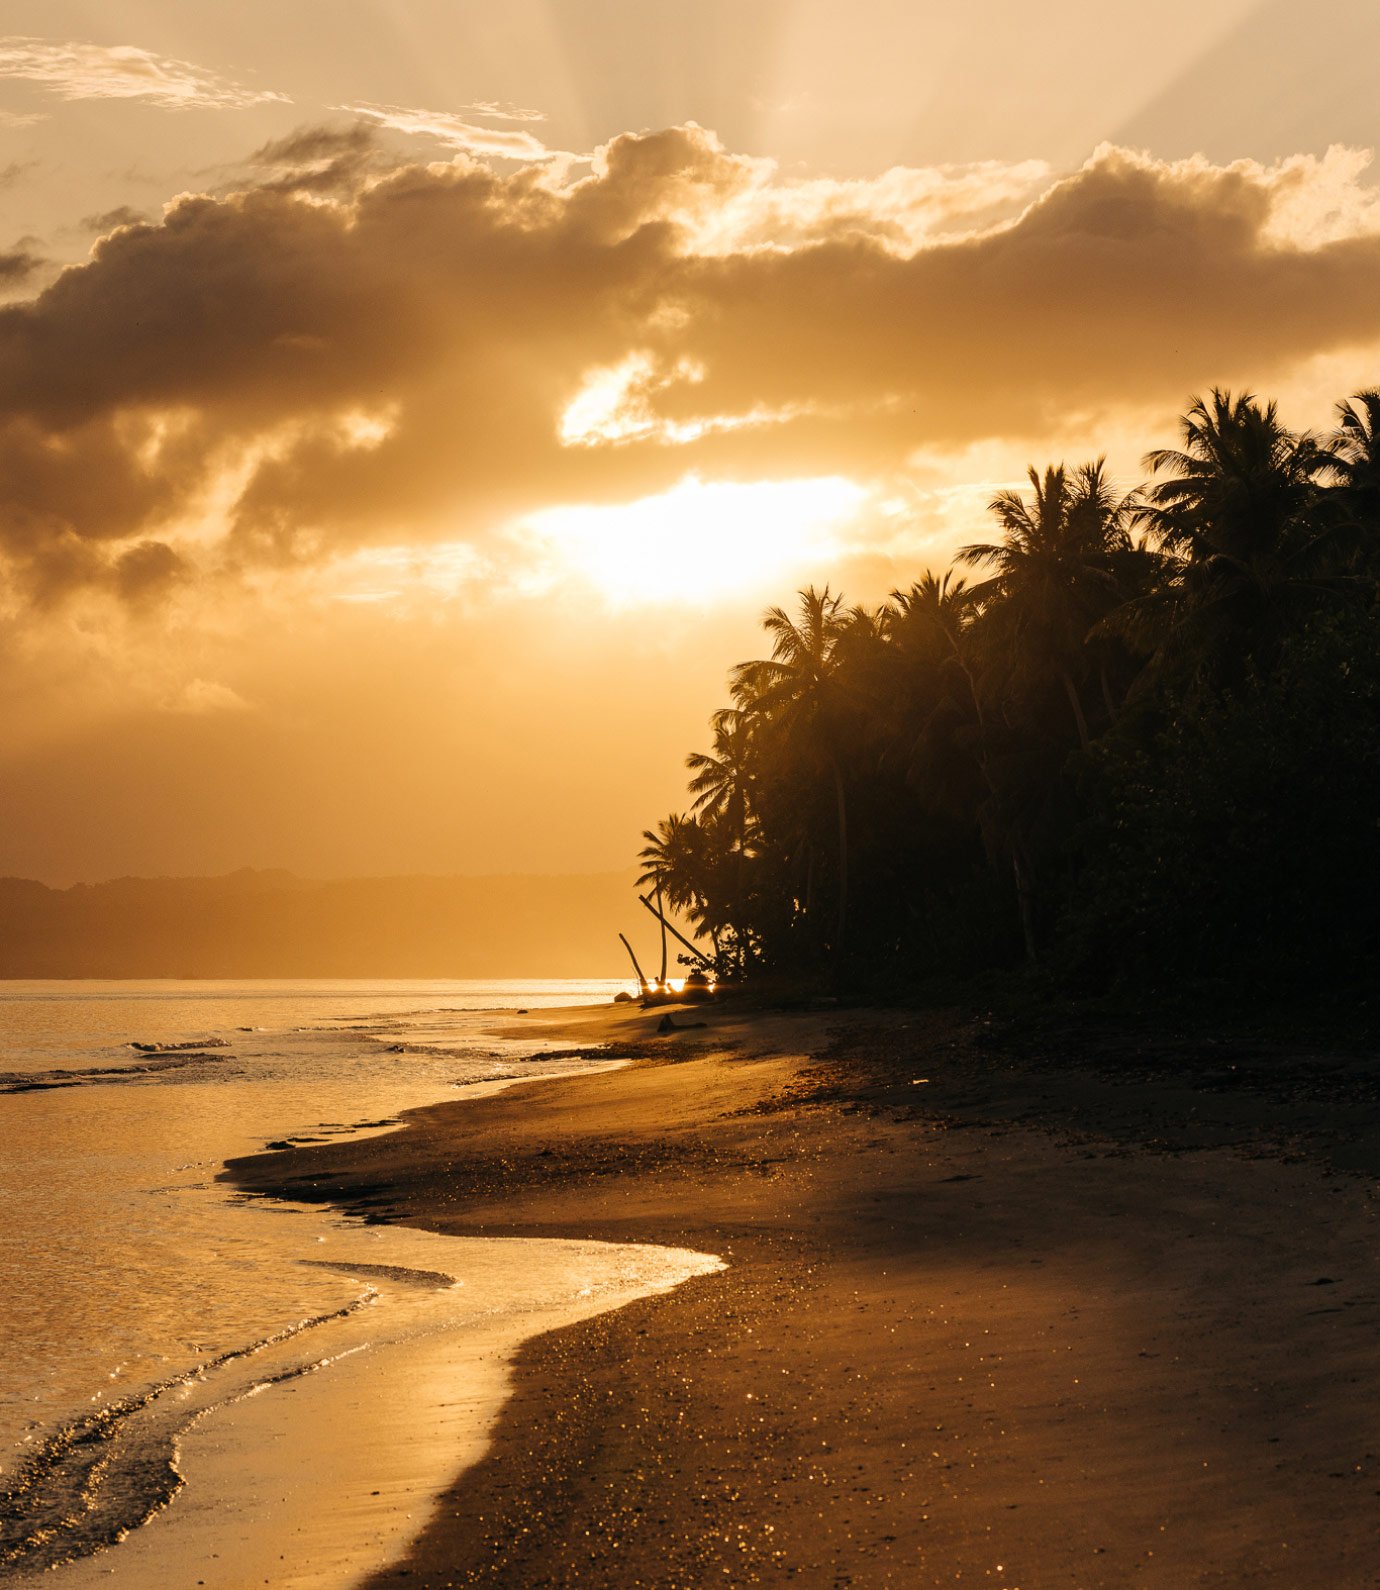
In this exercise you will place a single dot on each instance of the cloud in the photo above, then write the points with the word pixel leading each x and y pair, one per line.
pixel 502 110
pixel 122 71
pixel 725 203
pixel 108 220
pixel 147 571
pixel 202 697
pixel 429 354
pixel 1129 280
pixel 19 264
pixel 319 159
pixel 457 133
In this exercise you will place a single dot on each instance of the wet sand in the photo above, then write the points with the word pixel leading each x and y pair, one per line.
pixel 986 1320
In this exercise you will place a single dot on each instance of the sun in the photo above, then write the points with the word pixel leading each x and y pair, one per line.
pixel 701 541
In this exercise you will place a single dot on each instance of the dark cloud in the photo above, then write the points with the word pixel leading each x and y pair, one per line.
pixel 19 265
pixel 1127 282
pixel 147 570
pixel 108 220
pixel 390 358
pixel 71 497
pixel 313 145
pixel 326 160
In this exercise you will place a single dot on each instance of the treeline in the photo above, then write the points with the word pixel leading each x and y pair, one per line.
pixel 1134 738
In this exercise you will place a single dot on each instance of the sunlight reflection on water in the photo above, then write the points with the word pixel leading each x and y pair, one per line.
pixel 123 1264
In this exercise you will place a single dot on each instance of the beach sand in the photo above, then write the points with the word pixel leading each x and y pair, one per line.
pixel 1033 1321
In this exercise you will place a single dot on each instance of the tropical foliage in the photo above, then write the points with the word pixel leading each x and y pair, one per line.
pixel 1139 738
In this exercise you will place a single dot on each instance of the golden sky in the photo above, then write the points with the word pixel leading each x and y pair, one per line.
pixel 407 407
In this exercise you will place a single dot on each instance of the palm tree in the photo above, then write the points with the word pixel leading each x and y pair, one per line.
pixel 1057 573
pixel 935 602
pixel 925 627
pixel 794 694
pixel 680 864
pixel 723 777
pixel 1239 507
pixel 666 855
pixel 934 704
pixel 722 785
pixel 1063 563
pixel 1354 449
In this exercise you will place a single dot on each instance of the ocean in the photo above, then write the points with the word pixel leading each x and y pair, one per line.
pixel 145 1307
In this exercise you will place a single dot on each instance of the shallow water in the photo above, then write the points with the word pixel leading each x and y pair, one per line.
pixel 140 1299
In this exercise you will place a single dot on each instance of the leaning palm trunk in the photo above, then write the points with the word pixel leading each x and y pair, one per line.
pixel 643 986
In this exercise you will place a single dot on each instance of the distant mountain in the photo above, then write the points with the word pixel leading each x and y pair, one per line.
pixel 272 924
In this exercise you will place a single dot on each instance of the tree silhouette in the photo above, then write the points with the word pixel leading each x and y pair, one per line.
pixel 1354 449
pixel 722 786
pixel 1127 758
pixel 794 697
pixel 678 862
pixel 1239 509
pixel 1055 576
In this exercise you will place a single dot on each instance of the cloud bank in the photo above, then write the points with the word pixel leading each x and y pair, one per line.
pixel 338 356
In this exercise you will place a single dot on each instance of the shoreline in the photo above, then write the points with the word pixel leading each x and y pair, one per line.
pixel 263 1491
pixel 1001 1321
pixel 260 1485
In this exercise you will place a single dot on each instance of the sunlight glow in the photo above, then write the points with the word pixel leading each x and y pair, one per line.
pixel 614 405
pixel 363 431
pixel 617 403
pixel 700 541
pixel 397 573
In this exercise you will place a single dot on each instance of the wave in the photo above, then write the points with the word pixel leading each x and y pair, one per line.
pixel 85 1076
pixel 386 1272
pixel 92 1481
pixel 181 1048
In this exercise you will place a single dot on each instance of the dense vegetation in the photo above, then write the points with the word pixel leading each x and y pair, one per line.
pixel 1137 740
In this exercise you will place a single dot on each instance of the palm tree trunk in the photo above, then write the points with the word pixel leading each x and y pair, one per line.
pixel 841 806
pixel 740 910
pixel 972 688
pixel 701 917
pixel 1025 899
pixel 1025 894
pixel 663 936
pixel 1107 694
pixel 643 986
pixel 740 886
pixel 1077 706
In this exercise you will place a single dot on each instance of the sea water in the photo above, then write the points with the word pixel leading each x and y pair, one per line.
pixel 144 1303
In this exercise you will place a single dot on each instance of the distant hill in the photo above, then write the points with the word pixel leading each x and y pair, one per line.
pixel 272 924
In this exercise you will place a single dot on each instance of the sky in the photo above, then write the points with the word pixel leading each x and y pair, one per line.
pixel 408 407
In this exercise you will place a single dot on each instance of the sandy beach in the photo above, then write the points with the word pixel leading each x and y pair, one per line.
pixel 1034 1317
